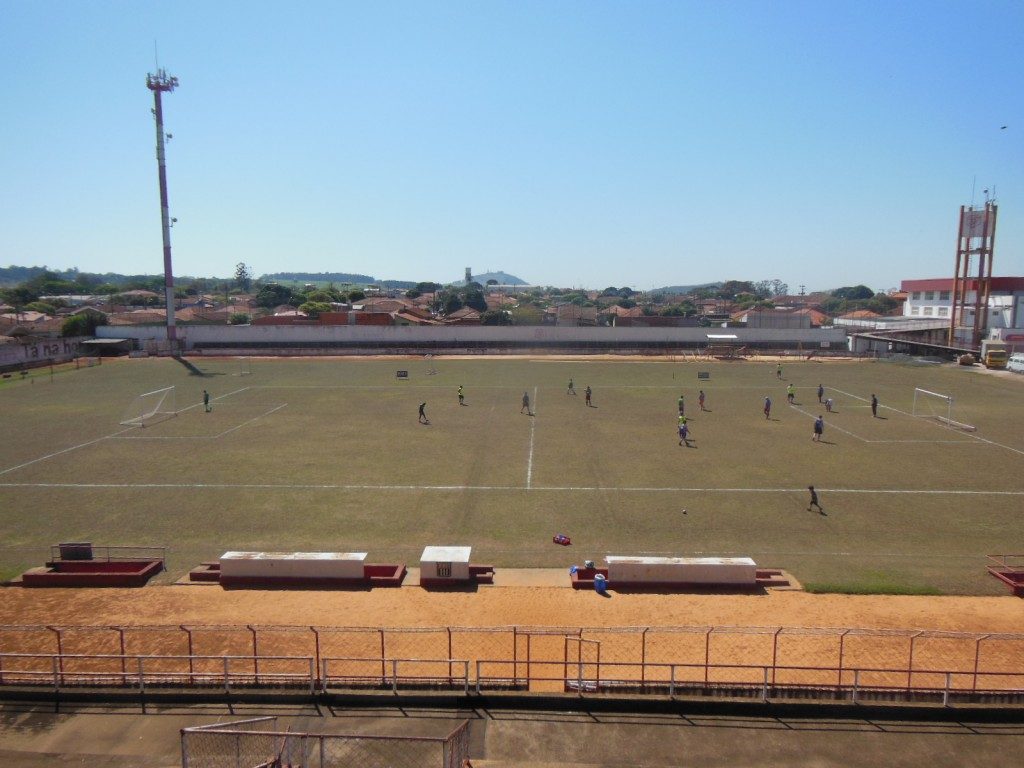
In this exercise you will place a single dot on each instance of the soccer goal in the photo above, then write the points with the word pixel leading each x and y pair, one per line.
pixel 150 407
pixel 937 406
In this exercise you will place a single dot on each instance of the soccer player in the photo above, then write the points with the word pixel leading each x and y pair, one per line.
pixel 819 428
pixel 828 404
pixel 684 432
pixel 572 388
pixel 874 405
pixel 778 372
pixel 681 405
pixel 814 500
pixel 700 400
pixel 206 401
pixel 767 407
pixel 587 392
pixel 526 404
pixel 790 394
pixel 821 392
pixel 423 414
pixel 462 395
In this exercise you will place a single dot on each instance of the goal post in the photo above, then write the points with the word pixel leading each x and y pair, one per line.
pixel 937 406
pixel 150 407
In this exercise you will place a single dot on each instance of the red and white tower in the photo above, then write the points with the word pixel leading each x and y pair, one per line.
pixel 974 248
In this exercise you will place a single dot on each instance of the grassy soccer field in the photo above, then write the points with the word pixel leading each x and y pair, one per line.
pixel 328 455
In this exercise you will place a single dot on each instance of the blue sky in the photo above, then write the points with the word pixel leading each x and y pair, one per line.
pixel 570 143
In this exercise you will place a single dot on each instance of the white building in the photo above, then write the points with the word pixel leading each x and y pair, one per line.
pixel 933 300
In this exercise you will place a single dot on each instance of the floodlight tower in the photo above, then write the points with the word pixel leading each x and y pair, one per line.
pixel 158 84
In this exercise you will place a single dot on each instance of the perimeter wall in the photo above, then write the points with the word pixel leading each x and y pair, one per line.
pixel 344 339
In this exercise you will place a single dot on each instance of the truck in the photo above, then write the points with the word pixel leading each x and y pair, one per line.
pixel 994 354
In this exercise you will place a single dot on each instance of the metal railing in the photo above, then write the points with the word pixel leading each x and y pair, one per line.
pixel 396 673
pixel 64 671
pixel 580 677
pixel 107 554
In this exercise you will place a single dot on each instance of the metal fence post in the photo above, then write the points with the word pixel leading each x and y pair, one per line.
pixel 945 693
pixel 671 680
pixel 312 676
pixel 856 684
pixel 478 674
pixel 316 641
pixel 56 674
pixel 255 656
pixel 465 677
pixel 394 675
pixel 764 683
pixel 142 678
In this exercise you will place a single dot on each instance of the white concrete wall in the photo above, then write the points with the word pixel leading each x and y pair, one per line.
pixel 293 565
pixel 284 335
pixel 740 571
pixel 52 350
pixel 428 570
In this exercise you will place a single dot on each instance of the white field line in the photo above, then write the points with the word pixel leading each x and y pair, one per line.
pixel 201 437
pixel 213 399
pixel 98 439
pixel 65 450
pixel 830 424
pixel 529 461
pixel 833 425
pixel 942 426
pixel 553 488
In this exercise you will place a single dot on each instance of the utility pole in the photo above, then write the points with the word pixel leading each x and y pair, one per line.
pixel 158 84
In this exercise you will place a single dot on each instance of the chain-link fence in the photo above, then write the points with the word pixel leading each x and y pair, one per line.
pixel 258 743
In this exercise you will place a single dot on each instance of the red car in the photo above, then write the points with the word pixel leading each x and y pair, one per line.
pixel 562 539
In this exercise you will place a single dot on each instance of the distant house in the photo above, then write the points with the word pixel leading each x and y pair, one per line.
pixel 818 318
pixel 464 316
pixel 864 318
pixel 570 314
pixel 772 318
pixel 137 317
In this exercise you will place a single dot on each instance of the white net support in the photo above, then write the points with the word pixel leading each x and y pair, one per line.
pixel 150 407
pixel 939 407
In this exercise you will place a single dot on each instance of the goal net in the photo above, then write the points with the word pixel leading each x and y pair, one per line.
pixel 150 407
pixel 938 407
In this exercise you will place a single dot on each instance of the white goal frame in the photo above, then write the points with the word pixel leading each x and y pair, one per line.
pixel 942 414
pixel 150 407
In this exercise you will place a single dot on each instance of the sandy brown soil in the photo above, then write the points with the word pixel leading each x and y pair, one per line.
pixel 492 607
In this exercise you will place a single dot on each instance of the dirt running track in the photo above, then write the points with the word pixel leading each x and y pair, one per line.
pixel 414 619
pixel 493 607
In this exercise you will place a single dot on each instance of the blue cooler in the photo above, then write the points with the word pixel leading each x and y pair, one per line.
pixel 600 584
